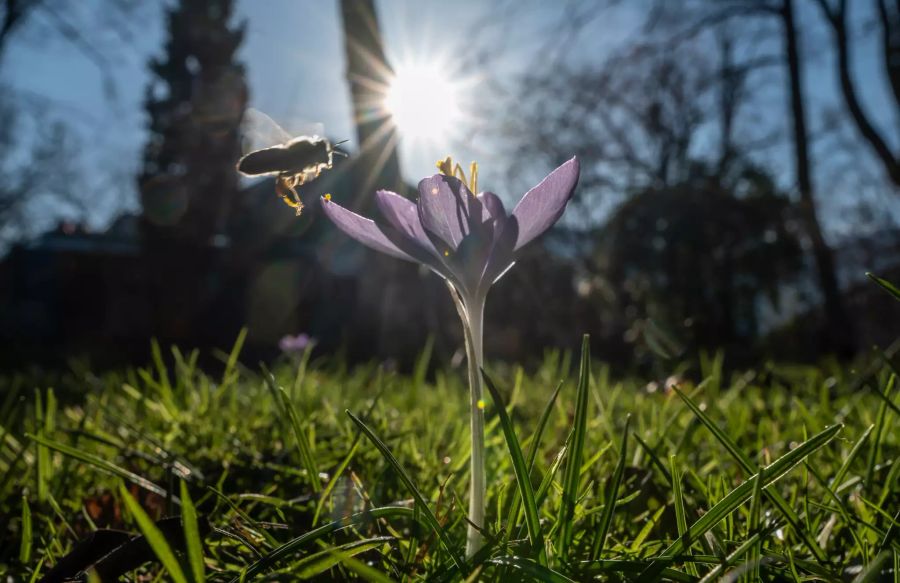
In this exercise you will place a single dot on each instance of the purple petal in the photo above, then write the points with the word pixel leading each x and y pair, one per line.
pixel 362 229
pixel 544 204
pixel 402 215
pixel 493 204
pixel 444 208
pixel 502 255
pixel 404 229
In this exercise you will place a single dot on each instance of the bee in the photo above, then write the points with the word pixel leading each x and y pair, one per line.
pixel 293 161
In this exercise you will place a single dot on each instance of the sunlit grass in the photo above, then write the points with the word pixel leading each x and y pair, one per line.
pixel 690 502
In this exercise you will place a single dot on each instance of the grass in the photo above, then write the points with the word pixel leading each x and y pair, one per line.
pixel 317 470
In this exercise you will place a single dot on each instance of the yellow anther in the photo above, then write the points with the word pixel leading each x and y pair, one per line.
pixel 446 252
pixel 448 167
pixel 328 197
pixel 480 403
pixel 445 166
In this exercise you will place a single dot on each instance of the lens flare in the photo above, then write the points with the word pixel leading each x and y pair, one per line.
pixel 423 103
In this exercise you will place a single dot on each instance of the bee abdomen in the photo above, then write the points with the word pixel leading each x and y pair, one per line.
pixel 266 161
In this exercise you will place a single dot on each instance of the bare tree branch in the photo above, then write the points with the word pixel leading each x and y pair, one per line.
pixel 837 18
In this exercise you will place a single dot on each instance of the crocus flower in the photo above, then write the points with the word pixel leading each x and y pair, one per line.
pixel 297 343
pixel 469 239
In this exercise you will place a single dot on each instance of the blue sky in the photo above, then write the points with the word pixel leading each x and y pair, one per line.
pixel 295 65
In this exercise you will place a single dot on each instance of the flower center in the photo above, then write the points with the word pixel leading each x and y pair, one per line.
pixel 448 167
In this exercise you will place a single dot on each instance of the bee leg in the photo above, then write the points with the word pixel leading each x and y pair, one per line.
pixel 292 185
pixel 284 187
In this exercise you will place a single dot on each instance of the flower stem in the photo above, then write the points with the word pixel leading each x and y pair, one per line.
pixel 471 312
pixel 475 358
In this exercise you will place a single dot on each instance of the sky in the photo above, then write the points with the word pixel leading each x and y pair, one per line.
pixel 294 55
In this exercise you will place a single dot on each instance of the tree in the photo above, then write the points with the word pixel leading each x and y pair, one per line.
pixel 189 184
pixel 644 118
pixel 39 163
pixel 700 256
pixel 40 167
pixel 837 16
pixel 838 327
pixel 195 104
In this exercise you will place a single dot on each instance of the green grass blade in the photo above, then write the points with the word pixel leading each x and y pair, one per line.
pixel 645 531
pixel 531 568
pixel 741 458
pixel 306 454
pixel 37 572
pixel 523 476
pixel 363 570
pixel 329 487
pixel 422 363
pixel 610 507
pixel 27 534
pixel 42 467
pixel 680 514
pixel 289 413
pixel 654 458
pixel 631 568
pixel 884 395
pixel 745 547
pixel 838 478
pixel 886 285
pixel 571 475
pixel 740 495
pixel 292 546
pixel 542 424
pixel 533 447
pixel 154 537
pixel 320 562
pixel 753 526
pixel 891 533
pixel 841 506
pixel 873 571
pixel 100 463
pixel 879 428
pixel 192 539
pixel 229 374
pixel 427 513
pixel 544 487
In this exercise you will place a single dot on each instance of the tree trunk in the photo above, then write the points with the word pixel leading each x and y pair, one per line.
pixel 369 74
pixel 837 20
pixel 839 334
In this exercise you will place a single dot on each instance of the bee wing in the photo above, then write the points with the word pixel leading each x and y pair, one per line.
pixel 309 129
pixel 259 131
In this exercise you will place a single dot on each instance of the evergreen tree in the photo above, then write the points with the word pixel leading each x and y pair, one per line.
pixel 195 103
pixel 189 184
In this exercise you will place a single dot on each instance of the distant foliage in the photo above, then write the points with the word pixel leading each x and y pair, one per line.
pixel 195 103
pixel 702 255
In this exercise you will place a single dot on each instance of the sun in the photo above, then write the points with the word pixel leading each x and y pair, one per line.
pixel 424 103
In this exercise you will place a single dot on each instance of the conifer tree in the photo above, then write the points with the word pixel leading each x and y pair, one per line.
pixel 195 102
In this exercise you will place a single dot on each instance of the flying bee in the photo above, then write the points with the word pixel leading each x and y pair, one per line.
pixel 293 161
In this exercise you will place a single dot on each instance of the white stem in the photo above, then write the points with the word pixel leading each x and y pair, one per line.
pixel 475 357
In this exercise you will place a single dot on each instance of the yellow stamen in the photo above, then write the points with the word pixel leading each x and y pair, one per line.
pixel 445 166
pixel 481 403
pixel 448 167
pixel 458 172
pixel 446 253
pixel 328 197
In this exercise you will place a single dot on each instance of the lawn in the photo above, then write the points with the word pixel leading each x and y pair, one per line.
pixel 321 470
